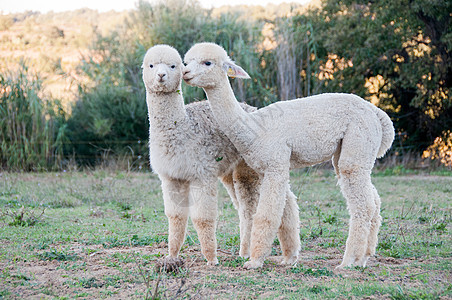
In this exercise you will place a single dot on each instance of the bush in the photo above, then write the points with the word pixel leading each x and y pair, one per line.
pixel 108 120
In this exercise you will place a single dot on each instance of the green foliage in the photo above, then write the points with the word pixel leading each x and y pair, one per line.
pixel 393 53
pixel 401 294
pixel 31 127
pixel 317 289
pixel 111 113
pixel 56 254
pixel 22 217
pixel 91 282
pixel 330 219
pixel 396 53
pixel 397 170
pixel 233 262
pixel 108 119
pixel 311 272
pixel 440 227
pixel 135 240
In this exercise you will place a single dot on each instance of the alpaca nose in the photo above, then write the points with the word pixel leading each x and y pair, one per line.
pixel 185 72
pixel 161 75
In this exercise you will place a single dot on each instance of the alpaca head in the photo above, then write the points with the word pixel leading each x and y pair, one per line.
pixel 162 69
pixel 208 65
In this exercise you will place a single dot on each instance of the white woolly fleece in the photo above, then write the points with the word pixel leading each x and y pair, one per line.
pixel 298 133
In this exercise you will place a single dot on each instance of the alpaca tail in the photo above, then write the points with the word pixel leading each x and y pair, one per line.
pixel 387 131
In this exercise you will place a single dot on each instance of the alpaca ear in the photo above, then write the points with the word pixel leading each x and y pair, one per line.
pixel 234 70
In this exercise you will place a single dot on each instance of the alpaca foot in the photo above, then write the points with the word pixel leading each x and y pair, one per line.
pixel 351 261
pixel 362 262
pixel 244 253
pixel 213 262
pixel 341 266
pixel 291 260
pixel 253 264
pixel 347 261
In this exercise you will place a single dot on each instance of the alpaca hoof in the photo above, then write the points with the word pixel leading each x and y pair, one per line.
pixel 345 263
pixel 362 262
pixel 244 254
pixel 353 262
pixel 292 260
pixel 213 262
pixel 340 267
pixel 253 264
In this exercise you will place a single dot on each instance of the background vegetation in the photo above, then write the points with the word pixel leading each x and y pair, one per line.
pixel 395 54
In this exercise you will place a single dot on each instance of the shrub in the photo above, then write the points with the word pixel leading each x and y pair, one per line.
pixel 108 120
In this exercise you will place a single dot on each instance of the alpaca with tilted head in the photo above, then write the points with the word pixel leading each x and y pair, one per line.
pixel 294 134
pixel 189 153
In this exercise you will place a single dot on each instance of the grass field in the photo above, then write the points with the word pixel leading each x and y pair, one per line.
pixel 99 234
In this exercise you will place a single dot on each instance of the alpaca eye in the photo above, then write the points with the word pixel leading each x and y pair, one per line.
pixel 151 66
pixel 207 63
pixel 173 66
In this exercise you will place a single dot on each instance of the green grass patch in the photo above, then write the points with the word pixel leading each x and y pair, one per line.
pixel 311 271
pixel 56 254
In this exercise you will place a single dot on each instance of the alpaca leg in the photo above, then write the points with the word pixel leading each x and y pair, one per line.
pixel 289 230
pixel 374 226
pixel 228 183
pixel 175 197
pixel 335 160
pixel 203 212
pixel 267 219
pixel 358 191
pixel 247 184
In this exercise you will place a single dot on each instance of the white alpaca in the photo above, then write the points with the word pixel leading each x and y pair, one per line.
pixel 294 134
pixel 189 152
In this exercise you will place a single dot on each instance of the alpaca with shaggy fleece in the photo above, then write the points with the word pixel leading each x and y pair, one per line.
pixel 189 153
pixel 294 134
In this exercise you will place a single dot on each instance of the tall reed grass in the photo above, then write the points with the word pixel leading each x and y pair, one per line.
pixel 295 55
pixel 31 126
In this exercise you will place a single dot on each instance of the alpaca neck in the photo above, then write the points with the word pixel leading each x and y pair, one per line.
pixel 232 119
pixel 165 110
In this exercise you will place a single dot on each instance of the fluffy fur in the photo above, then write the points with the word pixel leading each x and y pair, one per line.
pixel 189 153
pixel 299 133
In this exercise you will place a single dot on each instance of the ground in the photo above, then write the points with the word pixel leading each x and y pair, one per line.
pixel 100 234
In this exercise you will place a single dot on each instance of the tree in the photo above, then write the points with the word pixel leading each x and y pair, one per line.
pixel 396 52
